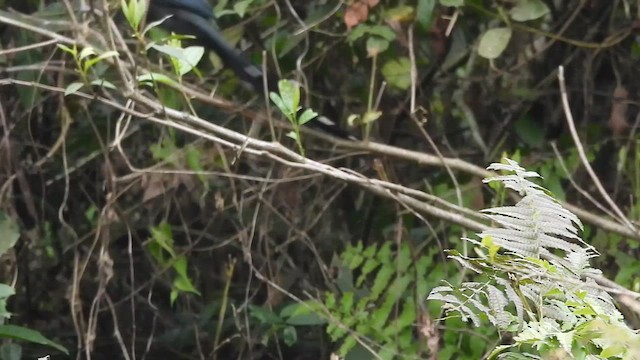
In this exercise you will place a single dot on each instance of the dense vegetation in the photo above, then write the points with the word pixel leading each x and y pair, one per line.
pixel 152 208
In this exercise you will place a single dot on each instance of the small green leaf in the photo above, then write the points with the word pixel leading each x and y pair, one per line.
pixel 162 236
pixel 277 100
pixel 184 59
pixel 371 116
pixel 290 336
pixel 193 158
pixel 527 10
pixel 400 13
pixel 494 42
pixel 86 52
pixel 140 11
pixel 383 31
pixel 150 78
pixel 134 11
pixel 424 12
pixel 183 284
pixel 180 266
pixel 127 10
pixel 455 3
pixel 73 51
pixel 530 131
pixel 612 351
pixel 73 88
pixel 191 58
pixel 240 7
pixel 376 45
pixel 21 333
pixel 89 63
pixel 307 116
pixel 292 135
pixel 264 315
pixel 103 83
pixel 397 72
pixel 290 95
pixel 306 313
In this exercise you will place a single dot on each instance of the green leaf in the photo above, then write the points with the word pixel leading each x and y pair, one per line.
pixel 264 315
pixel 424 12
pixel 193 159
pixel 290 336
pixel 493 42
pixel 370 265
pixel 292 135
pixel 162 236
pixel 180 266
pixel 183 284
pixel 404 258
pixel 134 11
pixel 290 95
pixel 150 78
pixel 382 280
pixel 376 45
pixel 527 10
pixel 169 50
pixel 240 7
pixel 383 31
pixel 397 72
pixel 371 116
pixel 400 13
pixel 9 233
pixel 346 303
pixel 89 63
pixel 306 313
pixel 21 333
pixel 128 11
pixel 103 83
pixel 278 101
pixel 73 88
pixel 72 51
pixel 140 11
pixel 86 52
pixel 612 351
pixel 307 116
pixel 192 56
pixel 455 3
pixel 184 59
pixel 530 131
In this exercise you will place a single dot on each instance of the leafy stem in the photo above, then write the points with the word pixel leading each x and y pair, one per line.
pixel 288 102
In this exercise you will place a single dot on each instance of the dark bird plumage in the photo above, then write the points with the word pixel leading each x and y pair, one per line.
pixel 195 17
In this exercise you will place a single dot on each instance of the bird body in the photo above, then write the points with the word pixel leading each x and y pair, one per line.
pixel 195 17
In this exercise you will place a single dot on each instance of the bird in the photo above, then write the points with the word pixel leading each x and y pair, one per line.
pixel 195 18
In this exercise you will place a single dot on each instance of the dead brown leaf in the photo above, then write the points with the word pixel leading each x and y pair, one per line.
pixel 355 14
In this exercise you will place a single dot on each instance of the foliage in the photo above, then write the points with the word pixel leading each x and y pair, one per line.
pixel 381 304
pixel 288 102
pixel 161 247
pixel 283 323
pixel 8 237
pixel 550 303
pixel 128 212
